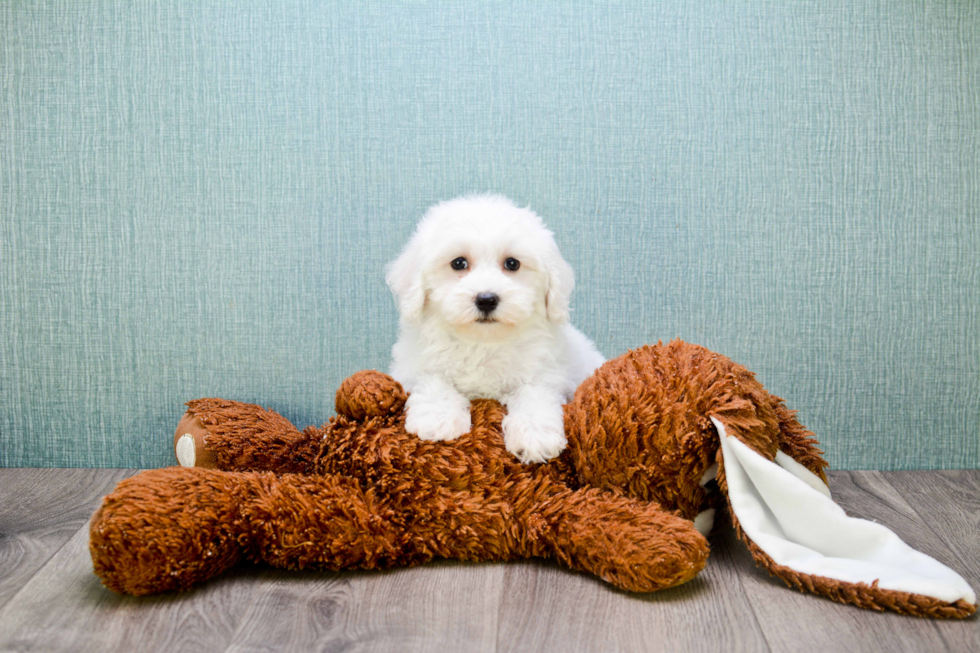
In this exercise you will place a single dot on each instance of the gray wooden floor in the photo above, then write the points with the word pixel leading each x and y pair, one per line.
pixel 50 600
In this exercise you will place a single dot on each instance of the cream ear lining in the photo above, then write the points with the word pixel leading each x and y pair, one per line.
pixel 704 521
pixel 786 510
pixel 802 473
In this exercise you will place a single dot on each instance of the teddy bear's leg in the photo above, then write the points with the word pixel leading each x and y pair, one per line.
pixel 168 529
pixel 631 544
pixel 234 436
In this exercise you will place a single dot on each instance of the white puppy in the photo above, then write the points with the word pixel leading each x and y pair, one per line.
pixel 483 294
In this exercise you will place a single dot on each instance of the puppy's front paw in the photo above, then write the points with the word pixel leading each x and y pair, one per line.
pixel 535 436
pixel 437 420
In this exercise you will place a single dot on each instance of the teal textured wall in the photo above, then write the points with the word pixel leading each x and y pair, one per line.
pixel 197 199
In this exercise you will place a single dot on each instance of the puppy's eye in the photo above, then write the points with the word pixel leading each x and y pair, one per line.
pixel 512 264
pixel 459 263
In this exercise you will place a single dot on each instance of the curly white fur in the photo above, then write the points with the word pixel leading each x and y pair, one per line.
pixel 522 353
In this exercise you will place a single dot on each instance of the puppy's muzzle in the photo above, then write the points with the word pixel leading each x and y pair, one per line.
pixel 486 303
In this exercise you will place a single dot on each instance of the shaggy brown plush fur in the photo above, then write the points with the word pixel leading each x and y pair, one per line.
pixel 360 492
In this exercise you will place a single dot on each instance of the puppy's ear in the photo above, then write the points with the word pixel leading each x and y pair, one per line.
pixel 404 277
pixel 561 281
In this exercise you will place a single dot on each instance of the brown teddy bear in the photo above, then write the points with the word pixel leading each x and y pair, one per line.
pixel 657 439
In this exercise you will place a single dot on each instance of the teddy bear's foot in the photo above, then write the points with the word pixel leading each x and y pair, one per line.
pixel 235 436
pixel 184 448
pixel 189 444
pixel 168 529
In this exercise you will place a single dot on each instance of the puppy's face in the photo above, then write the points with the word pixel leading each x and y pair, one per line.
pixel 485 281
pixel 482 268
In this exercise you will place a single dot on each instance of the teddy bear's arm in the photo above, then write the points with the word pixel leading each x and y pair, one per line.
pixel 634 545
pixel 330 522
pixel 234 436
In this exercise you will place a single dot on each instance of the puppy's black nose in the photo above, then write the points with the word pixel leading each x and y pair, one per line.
pixel 486 302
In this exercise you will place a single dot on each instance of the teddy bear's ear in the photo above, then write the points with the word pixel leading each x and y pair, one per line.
pixel 404 277
pixel 561 281
pixel 794 529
